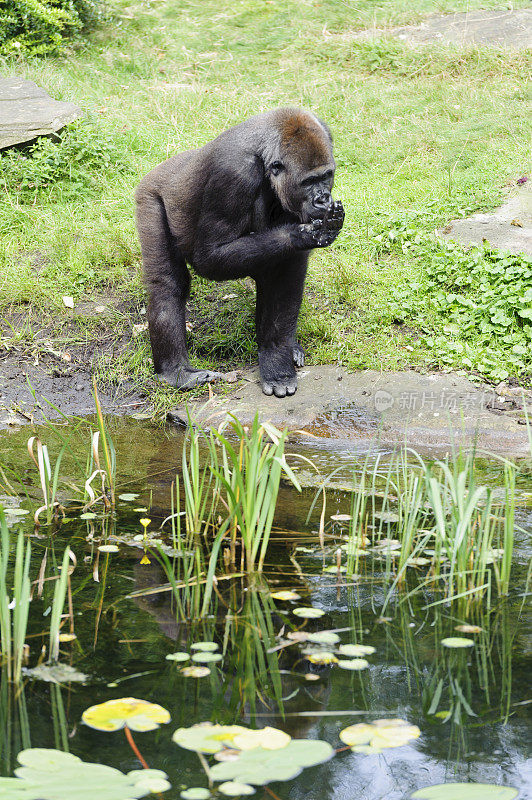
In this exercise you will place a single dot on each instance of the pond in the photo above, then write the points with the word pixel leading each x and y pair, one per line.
pixel 381 640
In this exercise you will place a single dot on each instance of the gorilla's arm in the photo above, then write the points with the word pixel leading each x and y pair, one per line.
pixel 225 250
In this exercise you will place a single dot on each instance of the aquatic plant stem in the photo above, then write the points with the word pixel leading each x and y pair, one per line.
pixel 134 747
pixel 272 793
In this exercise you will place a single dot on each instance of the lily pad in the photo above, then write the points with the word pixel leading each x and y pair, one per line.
pixel 323 637
pixel 379 735
pixel 206 658
pixel 54 775
pixel 268 738
pixel 457 641
pixel 88 515
pixel 195 793
pixel 207 738
pixel 195 672
pixel 260 766
pixel 354 664
pixel 127 497
pixel 137 715
pixel 322 658
pixel 386 516
pixel 234 789
pixel 466 791
pixel 335 569
pixel 356 650
pixel 308 613
pixel 178 657
pixel 341 517
pixel 56 673
pixel 108 548
pixel 469 628
pixel 285 595
pixel 205 647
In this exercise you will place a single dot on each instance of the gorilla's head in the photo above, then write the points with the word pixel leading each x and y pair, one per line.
pixel 301 171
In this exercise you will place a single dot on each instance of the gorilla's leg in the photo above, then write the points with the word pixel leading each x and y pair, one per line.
pixel 168 283
pixel 278 303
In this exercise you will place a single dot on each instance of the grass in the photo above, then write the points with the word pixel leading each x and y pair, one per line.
pixel 434 130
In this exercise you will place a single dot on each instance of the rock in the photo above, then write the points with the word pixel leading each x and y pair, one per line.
pixel 27 111
pixel 499 227
pixel 432 413
pixel 502 28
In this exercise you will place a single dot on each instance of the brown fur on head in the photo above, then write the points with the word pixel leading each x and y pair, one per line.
pixel 304 152
pixel 304 139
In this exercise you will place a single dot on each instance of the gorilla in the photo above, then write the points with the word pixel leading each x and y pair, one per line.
pixel 253 202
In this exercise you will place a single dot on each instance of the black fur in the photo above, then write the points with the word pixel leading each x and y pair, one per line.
pixel 253 202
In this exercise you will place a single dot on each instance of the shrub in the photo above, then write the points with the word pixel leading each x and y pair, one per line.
pixel 59 167
pixel 39 27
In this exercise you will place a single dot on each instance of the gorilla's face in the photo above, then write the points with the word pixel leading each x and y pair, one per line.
pixel 305 193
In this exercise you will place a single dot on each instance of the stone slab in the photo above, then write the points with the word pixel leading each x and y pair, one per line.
pixel 432 413
pixel 508 228
pixel 502 28
pixel 27 111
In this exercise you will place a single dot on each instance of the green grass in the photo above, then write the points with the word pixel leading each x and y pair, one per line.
pixel 434 130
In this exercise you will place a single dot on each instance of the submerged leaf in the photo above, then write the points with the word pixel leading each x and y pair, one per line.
pixel 323 637
pixel 137 715
pixel 195 793
pixel 56 673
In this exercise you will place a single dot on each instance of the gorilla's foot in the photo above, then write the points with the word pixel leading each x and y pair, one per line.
pixel 280 387
pixel 188 378
pixel 298 355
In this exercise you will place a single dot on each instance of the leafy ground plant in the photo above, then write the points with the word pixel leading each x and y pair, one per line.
pixel 53 775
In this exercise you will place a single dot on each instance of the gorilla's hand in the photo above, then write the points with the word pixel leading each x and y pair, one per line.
pixel 320 232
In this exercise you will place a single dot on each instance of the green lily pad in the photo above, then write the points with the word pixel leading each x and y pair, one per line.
pixel 308 613
pixel 378 735
pixel 178 657
pixel 356 650
pixel 207 738
pixel 234 789
pixel 88 515
pixel 323 637
pixel 195 793
pixel 205 647
pixel 206 658
pixel 53 775
pixel 127 497
pixel 457 641
pixel 354 664
pixel 321 657
pixel 260 766
pixel 466 791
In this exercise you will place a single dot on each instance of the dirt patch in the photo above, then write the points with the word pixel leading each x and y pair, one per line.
pixel 510 29
pixel 508 228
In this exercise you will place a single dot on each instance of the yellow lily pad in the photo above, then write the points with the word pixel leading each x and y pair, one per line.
pixel 137 715
pixel 285 595
pixel 195 672
pixel 379 735
pixel 322 658
pixel 268 738
pixel 207 737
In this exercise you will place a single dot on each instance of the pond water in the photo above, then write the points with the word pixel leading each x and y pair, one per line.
pixel 472 705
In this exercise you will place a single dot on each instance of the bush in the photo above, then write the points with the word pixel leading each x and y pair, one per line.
pixel 39 27
pixel 59 167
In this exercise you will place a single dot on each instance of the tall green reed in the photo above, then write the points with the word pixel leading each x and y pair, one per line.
pixel 14 612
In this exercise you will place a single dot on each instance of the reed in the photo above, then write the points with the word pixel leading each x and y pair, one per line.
pixel 14 611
